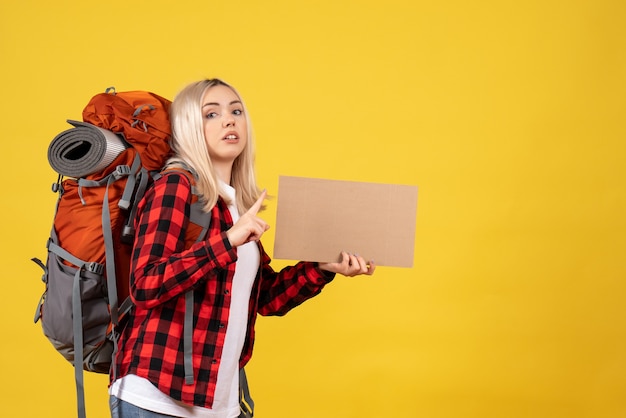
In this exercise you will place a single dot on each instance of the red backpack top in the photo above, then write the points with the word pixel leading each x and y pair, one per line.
pixel 142 117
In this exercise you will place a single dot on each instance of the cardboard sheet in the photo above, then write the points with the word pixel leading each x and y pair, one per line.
pixel 316 219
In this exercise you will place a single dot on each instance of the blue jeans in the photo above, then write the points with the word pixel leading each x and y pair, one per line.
pixel 122 409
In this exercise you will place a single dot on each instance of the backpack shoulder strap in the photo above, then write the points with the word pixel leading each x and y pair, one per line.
pixel 197 215
pixel 202 219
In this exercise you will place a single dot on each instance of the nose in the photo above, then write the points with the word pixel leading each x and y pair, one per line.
pixel 228 120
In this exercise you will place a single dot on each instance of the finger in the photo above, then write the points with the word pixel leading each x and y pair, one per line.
pixel 345 260
pixel 254 209
pixel 352 261
pixel 354 267
pixel 362 264
pixel 371 266
pixel 258 230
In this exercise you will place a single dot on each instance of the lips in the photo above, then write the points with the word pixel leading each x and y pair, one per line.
pixel 231 136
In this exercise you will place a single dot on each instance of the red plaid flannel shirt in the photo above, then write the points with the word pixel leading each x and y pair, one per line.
pixel 151 344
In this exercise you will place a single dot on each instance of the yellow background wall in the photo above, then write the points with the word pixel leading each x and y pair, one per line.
pixel 509 116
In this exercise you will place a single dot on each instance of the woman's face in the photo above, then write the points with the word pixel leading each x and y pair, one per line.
pixel 225 126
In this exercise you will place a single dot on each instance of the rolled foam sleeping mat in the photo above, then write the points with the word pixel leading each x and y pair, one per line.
pixel 84 149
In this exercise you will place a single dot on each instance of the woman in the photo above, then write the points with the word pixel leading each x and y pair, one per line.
pixel 227 273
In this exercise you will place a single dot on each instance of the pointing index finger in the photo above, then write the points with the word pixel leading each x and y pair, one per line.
pixel 257 205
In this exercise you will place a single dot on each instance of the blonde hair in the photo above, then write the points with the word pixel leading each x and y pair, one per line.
pixel 190 148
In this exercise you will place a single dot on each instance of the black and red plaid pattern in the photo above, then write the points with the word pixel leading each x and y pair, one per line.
pixel 162 271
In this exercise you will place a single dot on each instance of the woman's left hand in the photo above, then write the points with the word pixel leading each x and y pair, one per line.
pixel 350 265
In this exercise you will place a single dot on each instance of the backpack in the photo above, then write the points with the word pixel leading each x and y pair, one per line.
pixel 104 165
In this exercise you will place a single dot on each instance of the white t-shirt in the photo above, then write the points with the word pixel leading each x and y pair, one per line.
pixel 142 393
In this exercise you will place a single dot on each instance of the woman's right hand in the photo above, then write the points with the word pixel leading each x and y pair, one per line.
pixel 249 227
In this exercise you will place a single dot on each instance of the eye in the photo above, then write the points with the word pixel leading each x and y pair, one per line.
pixel 210 115
pixel 238 112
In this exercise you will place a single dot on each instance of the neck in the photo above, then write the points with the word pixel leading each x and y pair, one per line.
pixel 223 172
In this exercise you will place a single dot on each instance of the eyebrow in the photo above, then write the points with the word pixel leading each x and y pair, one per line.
pixel 217 104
